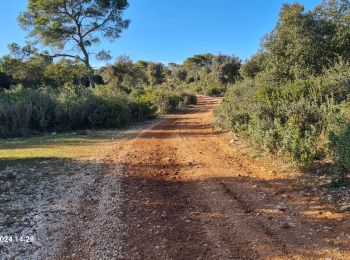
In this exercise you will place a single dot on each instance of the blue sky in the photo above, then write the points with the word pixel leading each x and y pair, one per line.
pixel 171 30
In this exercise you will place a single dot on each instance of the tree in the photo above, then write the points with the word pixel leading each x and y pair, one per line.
pixel 156 73
pixel 180 74
pixel 226 69
pixel 198 64
pixel 65 71
pixel 254 65
pixel 334 15
pixel 303 43
pixel 172 66
pixel 5 80
pixel 199 61
pixel 124 73
pixel 72 27
pixel 25 66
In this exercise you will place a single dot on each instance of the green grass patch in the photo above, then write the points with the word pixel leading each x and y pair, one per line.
pixel 33 150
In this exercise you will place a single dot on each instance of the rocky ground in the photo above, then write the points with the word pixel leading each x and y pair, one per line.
pixel 41 199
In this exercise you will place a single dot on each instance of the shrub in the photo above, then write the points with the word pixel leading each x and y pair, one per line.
pixel 142 110
pixel 161 101
pixel 29 111
pixel 73 107
pixel 25 110
pixel 339 138
pixel 110 107
pixel 282 120
pixel 190 99
pixel 214 91
pixel 340 147
pixel 173 100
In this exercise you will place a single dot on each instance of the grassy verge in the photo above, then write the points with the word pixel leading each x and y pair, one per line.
pixel 31 150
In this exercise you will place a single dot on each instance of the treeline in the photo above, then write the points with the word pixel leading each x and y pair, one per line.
pixel 40 95
pixel 294 98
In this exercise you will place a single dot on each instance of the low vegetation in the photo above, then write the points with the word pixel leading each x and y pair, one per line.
pixel 40 95
pixel 293 99
pixel 28 111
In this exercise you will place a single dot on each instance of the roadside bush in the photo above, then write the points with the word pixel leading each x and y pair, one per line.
pixel 25 110
pixel 29 111
pixel 294 100
pixel 339 138
pixel 73 107
pixel 110 107
pixel 142 105
pixel 161 101
pixel 340 146
pixel 290 120
pixel 215 91
pixel 190 99
pixel 142 110
pixel 167 102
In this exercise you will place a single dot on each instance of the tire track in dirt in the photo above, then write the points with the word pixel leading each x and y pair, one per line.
pixel 229 207
pixel 185 193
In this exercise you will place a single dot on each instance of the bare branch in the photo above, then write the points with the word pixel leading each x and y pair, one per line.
pixel 57 55
pixel 94 28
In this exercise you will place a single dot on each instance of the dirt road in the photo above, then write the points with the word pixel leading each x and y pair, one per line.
pixel 180 191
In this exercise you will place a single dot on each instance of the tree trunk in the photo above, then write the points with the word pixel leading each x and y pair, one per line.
pixel 90 69
pixel 86 59
pixel 91 76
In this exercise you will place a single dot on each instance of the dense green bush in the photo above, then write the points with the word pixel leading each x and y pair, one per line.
pixel 339 137
pixel 110 107
pixel 24 110
pixel 340 145
pixel 72 108
pixel 294 119
pixel 141 105
pixel 215 91
pixel 190 99
pixel 294 99
pixel 27 111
